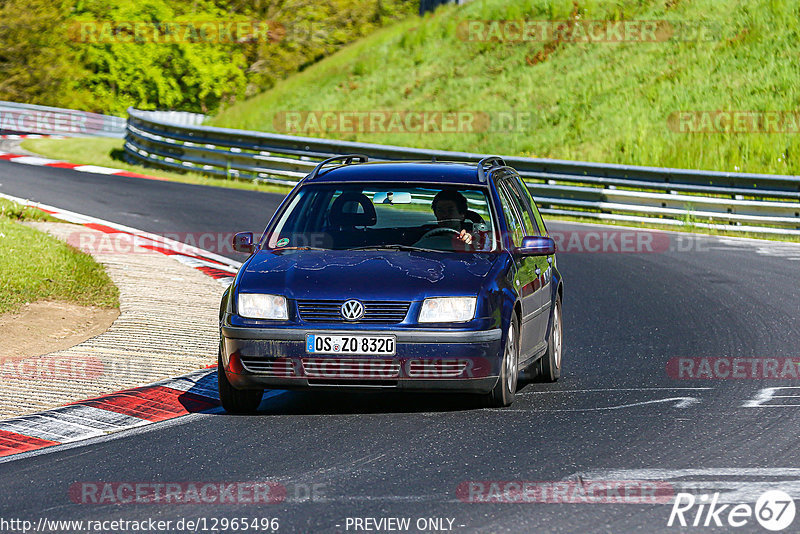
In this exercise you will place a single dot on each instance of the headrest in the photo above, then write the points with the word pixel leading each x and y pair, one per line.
pixel 473 216
pixel 345 211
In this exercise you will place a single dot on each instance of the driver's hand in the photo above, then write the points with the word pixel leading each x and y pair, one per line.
pixel 466 237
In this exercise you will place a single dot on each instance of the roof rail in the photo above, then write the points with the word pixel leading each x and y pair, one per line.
pixel 348 159
pixel 492 162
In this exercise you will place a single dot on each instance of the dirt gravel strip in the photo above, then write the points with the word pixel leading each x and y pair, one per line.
pixel 167 326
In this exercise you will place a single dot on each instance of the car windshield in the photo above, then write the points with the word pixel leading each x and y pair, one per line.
pixel 386 216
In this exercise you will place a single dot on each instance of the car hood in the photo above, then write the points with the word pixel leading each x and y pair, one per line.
pixel 376 275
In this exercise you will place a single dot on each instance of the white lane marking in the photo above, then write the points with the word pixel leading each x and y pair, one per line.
pixel 147 426
pixel 613 389
pixel 680 402
pixel 767 394
pixel 105 437
pixel 52 428
pixel 33 160
pixel 785 250
pixel 96 170
pixel 728 481
pixel 96 418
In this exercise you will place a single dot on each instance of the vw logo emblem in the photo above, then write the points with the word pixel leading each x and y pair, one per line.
pixel 352 310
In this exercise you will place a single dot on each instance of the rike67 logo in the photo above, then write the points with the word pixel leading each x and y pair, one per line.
pixel 774 510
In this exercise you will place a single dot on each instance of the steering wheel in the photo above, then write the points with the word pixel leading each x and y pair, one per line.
pixel 437 231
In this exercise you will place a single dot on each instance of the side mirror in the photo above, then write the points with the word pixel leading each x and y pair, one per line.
pixel 243 242
pixel 536 246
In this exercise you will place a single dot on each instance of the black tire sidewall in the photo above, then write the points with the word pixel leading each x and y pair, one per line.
pixel 235 401
pixel 549 372
pixel 501 395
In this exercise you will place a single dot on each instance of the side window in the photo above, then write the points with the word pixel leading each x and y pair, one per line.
pixel 515 228
pixel 529 213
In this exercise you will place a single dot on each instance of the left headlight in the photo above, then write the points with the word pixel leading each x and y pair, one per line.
pixel 447 310
pixel 258 306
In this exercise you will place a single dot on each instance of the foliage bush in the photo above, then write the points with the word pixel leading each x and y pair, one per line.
pixel 49 56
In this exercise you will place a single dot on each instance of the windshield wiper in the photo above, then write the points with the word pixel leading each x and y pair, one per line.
pixel 395 247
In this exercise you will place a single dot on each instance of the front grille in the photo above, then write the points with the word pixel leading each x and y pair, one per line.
pixel 279 367
pixel 436 368
pixel 352 382
pixel 375 311
pixel 351 368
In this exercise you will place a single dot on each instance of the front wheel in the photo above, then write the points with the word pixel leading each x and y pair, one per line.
pixel 549 365
pixel 506 387
pixel 236 401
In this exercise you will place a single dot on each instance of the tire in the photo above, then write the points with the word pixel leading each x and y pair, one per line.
pixel 549 365
pixel 506 387
pixel 236 401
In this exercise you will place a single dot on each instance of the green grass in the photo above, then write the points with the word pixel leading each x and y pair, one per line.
pixel 107 152
pixel 18 212
pixel 607 102
pixel 36 266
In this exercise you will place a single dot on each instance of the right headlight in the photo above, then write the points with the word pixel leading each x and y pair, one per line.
pixel 260 306
pixel 447 310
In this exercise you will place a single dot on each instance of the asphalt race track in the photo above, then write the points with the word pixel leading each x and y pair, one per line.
pixel 616 415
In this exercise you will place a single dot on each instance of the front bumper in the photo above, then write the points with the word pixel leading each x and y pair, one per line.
pixel 424 360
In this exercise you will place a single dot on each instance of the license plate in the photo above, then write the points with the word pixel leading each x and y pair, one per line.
pixel 335 344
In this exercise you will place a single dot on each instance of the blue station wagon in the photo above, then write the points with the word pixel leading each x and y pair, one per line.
pixel 426 276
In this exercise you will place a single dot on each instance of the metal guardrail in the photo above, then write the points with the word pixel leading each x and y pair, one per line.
pixel 18 118
pixel 736 201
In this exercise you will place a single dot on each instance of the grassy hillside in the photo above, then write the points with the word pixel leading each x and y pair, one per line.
pixel 597 101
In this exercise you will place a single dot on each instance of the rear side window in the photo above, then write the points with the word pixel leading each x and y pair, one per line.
pixel 532 203
pixel 529 213
pixel 515 227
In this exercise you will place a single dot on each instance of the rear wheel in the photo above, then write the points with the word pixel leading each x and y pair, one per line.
pixel 236 401
pixel 549 365
pixel 506 387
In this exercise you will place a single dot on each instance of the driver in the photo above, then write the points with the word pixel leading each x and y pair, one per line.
pixel 450 208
